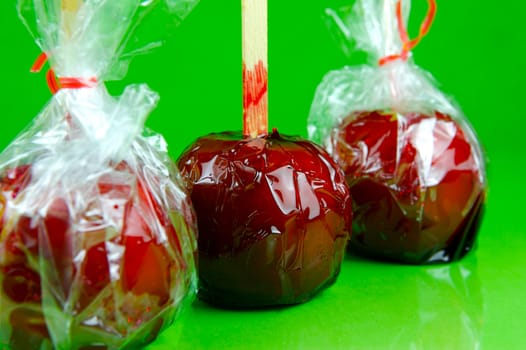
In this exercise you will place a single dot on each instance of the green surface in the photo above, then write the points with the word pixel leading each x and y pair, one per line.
pixel 474 51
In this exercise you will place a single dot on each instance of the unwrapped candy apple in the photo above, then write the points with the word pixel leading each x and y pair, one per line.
pixel 274 216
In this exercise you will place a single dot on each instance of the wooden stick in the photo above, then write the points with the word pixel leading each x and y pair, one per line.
pixel 255 71
pixel 69 12
pixel 71 5
pixel 389 23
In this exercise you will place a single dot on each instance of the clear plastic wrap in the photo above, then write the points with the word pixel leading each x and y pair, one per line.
pixel 413 163
pixel 97 235
pixel 274 217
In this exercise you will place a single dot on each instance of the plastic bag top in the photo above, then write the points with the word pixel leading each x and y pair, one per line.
pixel 390 82
pixel 95 38
pixel 83 129
pixel 370 26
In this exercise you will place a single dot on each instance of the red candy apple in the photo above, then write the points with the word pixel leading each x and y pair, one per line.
pixel 273 215
pixel 416 182
pixel 273 212
pixel 413 164
pixel 115 269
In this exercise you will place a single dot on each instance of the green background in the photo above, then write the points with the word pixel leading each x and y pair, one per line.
pixel 474 50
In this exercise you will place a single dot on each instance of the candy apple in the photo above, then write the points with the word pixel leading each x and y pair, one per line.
pixel 274 216
pixel 416 181
pixel 109 266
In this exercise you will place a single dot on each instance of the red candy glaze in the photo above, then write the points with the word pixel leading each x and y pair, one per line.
pixel 274 216
pixel 255 99
pixel 416 183
pixel 107 269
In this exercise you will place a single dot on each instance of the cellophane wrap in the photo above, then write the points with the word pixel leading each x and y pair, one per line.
pixel 425 119
pixel 97 237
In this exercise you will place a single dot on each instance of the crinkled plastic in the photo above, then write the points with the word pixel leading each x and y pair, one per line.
pixel 413 162
pixel 99 38
pixel 274 217
pixel 97 235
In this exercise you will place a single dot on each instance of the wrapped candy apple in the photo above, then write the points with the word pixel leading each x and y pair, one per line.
pixel 273 211
pixel 412 161
pixel 97 236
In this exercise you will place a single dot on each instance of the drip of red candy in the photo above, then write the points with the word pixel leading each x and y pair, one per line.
pixel 255 100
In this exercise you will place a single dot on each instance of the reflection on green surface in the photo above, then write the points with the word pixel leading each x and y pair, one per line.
pixel 449 307
pixel 373 305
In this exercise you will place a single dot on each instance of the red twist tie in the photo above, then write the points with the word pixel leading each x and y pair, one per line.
pixel 407 43
pixel 55 84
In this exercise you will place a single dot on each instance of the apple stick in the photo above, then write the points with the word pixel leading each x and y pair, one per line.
pixel 255 71
pixel 69 11
pixel 388 11
pixel 389 23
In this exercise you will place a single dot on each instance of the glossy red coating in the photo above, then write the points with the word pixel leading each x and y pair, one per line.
pixel 274 217
pixel 109 283
pixel 416 183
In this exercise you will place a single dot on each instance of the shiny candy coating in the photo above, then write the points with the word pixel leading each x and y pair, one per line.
pixel 109 277
pixel 274 217
pixel 417 185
